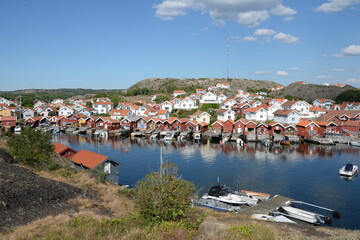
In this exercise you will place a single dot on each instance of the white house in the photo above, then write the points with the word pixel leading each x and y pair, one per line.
pixel 208 97
pixel 120 113
pixel 57 101
pixel 223 85
pixel 241 93
pixel 28 113
pixel 225 114
pixel 323 103
pixel 163 114
pixel 300 106
pixel 288 116
pixel 167 105
pixel 222 97
pixel 256 113
pixel 5 101
pixel 316 112
pixel 66 111
pixel 39 103
pixel 140 111
pixel 179 93
pixel 103 107
pixel 186 103
pixel 228 103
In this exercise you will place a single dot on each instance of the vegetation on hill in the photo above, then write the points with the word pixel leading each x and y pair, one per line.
pixel 32 148
pixel 310 92
pixel 349 96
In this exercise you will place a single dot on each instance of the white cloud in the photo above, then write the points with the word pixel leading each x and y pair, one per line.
pixel 352 50
pixel 262 72
pixel 308 62
pixel 249 39
pixel 337 70
pixel 281 10
pixel 252 18
pixel 169 9
pixel 294 69
pixel 285 38
pixel 245 12
pixel 336 5
pixel 264 32
pixel 323 77
pixel 282 73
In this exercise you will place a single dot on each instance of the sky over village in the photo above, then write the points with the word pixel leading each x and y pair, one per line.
pixel 113 44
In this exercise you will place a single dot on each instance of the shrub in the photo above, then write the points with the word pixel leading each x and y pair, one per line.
pixel 163 196
pixel 32 148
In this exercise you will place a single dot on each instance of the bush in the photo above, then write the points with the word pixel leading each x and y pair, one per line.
pixel 349 96
pixel 162 196
pixel 32 148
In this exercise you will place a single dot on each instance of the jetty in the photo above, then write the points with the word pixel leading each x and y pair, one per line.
pixel 265 207
pixel 321 141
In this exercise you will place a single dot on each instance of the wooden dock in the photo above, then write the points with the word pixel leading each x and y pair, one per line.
pixel 267 206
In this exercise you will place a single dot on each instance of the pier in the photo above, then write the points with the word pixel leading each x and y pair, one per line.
pixel 270 205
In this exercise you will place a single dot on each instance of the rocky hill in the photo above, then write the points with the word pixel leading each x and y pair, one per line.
pixel 168 85
pixel 309 92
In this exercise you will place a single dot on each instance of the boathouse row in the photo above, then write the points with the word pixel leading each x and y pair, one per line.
pixel 304 128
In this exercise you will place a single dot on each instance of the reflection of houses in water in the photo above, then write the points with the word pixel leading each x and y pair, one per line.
pixel 208 154
pixel 188 151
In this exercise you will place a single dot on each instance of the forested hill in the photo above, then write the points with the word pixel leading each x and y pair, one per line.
pixel 168 85
pixel 309 92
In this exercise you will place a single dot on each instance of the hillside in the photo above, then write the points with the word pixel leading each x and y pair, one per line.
pixel 168 85
pixel 59 91
pixel 309 92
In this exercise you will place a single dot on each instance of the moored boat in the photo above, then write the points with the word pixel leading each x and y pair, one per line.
pixel 258 195
pixel 223 194
pixel 355 143
pixel 217 205
pixel 285 142
pixel 348 170
pixel 303 215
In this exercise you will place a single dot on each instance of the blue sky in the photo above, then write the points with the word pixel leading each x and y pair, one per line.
pixel 113 44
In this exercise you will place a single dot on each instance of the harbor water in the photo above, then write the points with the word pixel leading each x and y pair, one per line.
pixel 305 172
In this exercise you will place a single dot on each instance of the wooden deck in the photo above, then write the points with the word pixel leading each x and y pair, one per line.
pixel 267 206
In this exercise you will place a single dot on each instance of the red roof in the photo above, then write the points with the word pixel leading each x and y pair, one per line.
pixel 7 118
pixel 103 103
pixel 88 159
pixel 60 148
pixel 317 109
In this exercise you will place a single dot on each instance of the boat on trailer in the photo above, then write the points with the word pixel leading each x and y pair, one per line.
pixel 348 170
pixel 223 194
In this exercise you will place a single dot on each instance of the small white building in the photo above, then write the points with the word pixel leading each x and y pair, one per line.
pixel 200 116
pixel 186 104
pixel 167 105
pixel 256 113
pixel 223 85
pixel 177 93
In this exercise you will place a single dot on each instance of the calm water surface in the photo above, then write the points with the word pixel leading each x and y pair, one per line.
pixel 303 172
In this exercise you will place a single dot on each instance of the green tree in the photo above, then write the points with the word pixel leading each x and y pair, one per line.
pixel 163 196
pixel 349 96
pixel 32 148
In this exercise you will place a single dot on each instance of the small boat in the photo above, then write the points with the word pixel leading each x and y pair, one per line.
pixel 285 142
pixel 355 143
pixel 348 170
pixel 258 195
pixel 279 218
pixel 17 129
pixel 302 215
pixel 197 137
pixel 223 194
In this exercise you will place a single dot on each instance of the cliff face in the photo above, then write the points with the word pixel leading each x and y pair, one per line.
pixel 309 92
pixel 25 196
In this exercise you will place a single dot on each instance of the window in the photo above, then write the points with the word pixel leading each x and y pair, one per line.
pixel 229 117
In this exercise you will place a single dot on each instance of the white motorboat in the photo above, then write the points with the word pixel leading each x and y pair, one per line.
pixel 348 170
pixel 17 129
pixel 217 205
pixel 355 143
pixel 223 194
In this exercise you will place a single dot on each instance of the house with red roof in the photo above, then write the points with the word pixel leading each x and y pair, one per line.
pixel 228 126
pixel 323 103
pixel 120 113
pixel 306 128
pixel 316 112
pixel 223 85
pixel 256 114
pixel 276 128
pixel 8 121
pixel 217 126
pixel 262 129
pixel 63 150
pixel 287 116
pixel 103 107
pixel 85 159
pixel 177 93
pixel 200 116
pixel 239 126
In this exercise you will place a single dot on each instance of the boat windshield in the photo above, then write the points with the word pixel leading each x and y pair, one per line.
pixel 349 167
pixel 219 191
